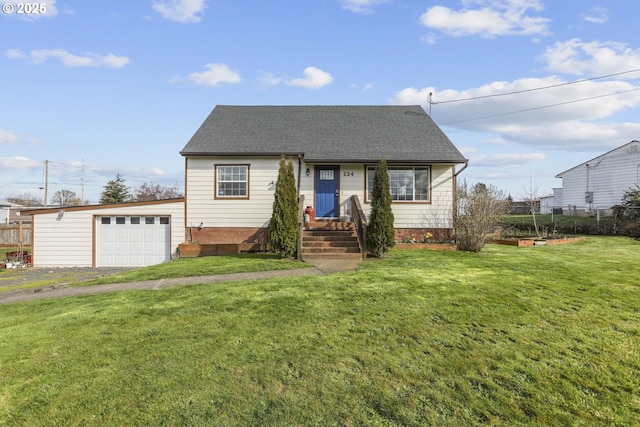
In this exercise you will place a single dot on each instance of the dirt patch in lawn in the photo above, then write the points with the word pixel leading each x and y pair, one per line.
pixel 20 279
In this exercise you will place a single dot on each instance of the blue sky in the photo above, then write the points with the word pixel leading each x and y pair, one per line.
pixel 106 87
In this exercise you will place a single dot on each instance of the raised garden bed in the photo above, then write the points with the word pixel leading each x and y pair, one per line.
pixel 534 241
pixel 195 250
pixel 437 246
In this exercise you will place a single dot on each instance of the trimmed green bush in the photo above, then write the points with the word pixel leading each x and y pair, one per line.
pixel 380 233
pixel 283 226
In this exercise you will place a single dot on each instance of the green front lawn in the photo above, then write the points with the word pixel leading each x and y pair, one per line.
pixel 510 336
pixel 206 266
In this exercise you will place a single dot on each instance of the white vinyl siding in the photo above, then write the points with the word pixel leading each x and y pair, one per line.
pixel 438 213
pixel 66 242
pixel 67 239
pixel 607 176
pixel 203 207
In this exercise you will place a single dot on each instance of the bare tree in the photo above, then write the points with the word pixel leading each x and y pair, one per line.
pixel 25 199
pixel 478 212
pixel 150 191
pixel 65 198
pixel 532 199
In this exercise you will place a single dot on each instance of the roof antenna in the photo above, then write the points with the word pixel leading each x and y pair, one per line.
pixel 430 103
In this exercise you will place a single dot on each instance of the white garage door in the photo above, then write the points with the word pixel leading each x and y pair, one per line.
pixel 132 241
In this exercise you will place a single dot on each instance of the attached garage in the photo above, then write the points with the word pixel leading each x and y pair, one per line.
pixel 133 234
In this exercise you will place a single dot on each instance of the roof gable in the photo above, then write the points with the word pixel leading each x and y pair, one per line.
pixel 324 134
pixel 600 157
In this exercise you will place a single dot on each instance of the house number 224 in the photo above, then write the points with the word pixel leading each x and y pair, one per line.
pixel 347 173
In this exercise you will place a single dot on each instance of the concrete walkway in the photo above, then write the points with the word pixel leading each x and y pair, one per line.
pixel 320 267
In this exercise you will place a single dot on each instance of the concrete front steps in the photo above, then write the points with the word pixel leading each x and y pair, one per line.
pixel 330 239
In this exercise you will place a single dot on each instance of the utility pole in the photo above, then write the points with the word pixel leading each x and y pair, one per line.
pixel 46 180
pixel 82 185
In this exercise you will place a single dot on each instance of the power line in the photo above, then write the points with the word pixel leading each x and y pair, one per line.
pixel 530 90
pixel 542 107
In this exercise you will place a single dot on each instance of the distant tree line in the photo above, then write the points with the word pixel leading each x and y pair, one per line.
pixel 116 191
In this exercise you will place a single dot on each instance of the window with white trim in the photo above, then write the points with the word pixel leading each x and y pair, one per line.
pixel 407 183
pixel 232 181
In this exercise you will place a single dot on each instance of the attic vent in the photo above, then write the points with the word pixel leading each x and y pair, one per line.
pixel 633 149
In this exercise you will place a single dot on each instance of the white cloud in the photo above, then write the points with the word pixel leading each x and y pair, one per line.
pixel 215 75
pixel 314 78
pixel 597 15
pixel 183 11
pixel 8 136
pixel 592 58
pixel 21 163
pixel 494 18
pixel 361 6
pixel 68 59
pixel 522 118
pixel 362 88
pixel 506 159
pixel 11 137
pixel 269 79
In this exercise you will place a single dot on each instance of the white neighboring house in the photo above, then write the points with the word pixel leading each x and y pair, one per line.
pixel 546 205
pixel 9 212
pixel 599 184
pixel 132 234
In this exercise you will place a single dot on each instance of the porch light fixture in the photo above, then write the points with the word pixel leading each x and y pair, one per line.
pixel 308 171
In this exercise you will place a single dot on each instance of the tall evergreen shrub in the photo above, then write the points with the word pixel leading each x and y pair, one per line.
pixel 283 227
pixel 116 191
pixel 380 232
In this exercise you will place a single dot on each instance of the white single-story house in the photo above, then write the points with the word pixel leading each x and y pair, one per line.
pixel 599 183
pixel 131 234
pixel 231 168
pixel 232 164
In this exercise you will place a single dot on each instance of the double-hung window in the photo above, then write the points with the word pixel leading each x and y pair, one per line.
pixel 232 181
pixel 407 183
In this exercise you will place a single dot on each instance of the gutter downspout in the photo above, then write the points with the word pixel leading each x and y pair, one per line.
pixel 300 223
pixel 299 173
pixel 463 168
pixel 455 195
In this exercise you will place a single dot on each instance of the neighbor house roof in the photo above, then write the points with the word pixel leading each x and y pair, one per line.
pixel 600 157
pixel 324 134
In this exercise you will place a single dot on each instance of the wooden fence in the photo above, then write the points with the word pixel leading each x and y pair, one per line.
pixel 10 234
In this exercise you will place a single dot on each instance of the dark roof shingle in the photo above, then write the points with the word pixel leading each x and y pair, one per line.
pixel 324 134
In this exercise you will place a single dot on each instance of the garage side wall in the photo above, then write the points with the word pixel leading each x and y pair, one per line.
pixel 64 242
pixel 67 239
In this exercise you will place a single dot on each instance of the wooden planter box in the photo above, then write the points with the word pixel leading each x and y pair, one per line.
pixel 537 242
pixel 436 246
pixel 195 250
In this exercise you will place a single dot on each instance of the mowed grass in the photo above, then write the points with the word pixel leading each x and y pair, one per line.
pixel 511 336
pixel 207 266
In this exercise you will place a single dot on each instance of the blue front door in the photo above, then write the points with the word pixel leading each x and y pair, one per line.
pixel 327 198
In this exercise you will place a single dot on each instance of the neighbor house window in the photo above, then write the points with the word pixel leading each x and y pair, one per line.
pixel 407 183
pixel 232 181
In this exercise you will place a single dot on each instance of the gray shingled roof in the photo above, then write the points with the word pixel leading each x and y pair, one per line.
pixel 324 134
